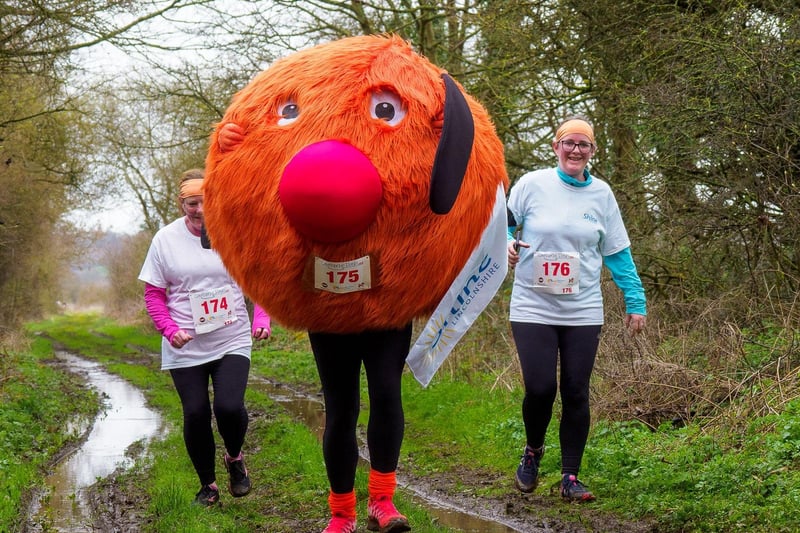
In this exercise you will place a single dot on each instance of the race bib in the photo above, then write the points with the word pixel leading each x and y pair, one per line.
pixel 349 276
pixel 556 272
pixel 212 309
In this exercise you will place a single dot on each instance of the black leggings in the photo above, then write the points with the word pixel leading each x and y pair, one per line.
pixel 339 358
pixel 229 379
pixel 539 347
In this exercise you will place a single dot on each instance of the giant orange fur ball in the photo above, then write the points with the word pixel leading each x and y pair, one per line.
pixel 318 189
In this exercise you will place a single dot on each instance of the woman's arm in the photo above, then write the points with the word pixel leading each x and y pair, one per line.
pixel 155 301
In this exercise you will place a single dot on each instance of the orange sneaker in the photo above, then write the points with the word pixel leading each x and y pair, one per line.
pixel 340 524
pixel 384 517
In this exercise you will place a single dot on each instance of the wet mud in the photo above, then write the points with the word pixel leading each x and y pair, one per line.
pixel 310 410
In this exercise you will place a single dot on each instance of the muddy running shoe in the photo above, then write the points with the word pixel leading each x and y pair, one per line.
pixel 383 516
pixel 340 524
pixel 238 480
pixel 573 490
pixel 207 496
pixel 528 470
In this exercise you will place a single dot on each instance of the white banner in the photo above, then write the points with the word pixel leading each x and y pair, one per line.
pixel 467 297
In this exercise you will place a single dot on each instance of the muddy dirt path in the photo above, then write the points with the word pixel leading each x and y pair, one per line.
pixel 116 506
pixel 443 494
pixel 112 440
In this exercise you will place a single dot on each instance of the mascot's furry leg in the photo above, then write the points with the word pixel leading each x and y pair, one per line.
pixel 339 358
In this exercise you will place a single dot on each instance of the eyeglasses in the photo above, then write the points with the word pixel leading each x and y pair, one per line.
pixel 583 147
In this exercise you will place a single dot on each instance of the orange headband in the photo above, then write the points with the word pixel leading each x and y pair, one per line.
pixel 193 187
pixel 575 126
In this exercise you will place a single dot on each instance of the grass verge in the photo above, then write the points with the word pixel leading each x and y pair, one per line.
pixel 38 403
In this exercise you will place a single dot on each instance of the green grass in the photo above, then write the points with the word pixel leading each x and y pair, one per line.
pixel 713 478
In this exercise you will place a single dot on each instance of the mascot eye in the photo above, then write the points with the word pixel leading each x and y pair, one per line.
pixel 388 107
pixel 288 113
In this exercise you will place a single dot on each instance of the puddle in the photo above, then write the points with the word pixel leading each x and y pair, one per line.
pixel 124 420
pixel 311 412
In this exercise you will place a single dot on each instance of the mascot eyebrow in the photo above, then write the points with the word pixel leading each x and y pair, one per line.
pixel 453 151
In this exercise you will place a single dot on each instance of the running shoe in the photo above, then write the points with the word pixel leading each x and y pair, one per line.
pixel 339 524
pixel 207 496
pixel 528 470
pixel 573 490
pixel 382 516
pixel 238 480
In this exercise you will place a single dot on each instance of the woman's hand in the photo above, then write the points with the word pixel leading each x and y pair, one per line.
pixel 261 334
pixel 513 253
pixel 635 323
pixel 180 339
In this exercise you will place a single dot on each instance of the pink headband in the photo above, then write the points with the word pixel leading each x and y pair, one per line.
pixel 575 126
pixel 193 187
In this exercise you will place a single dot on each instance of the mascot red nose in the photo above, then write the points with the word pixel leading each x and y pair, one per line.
pixel 346 188
pixel 325 205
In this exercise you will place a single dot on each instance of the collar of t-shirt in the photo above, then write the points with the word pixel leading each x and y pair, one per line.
pixel 569 180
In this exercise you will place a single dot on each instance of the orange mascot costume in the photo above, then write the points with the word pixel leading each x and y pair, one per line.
pixel 346 186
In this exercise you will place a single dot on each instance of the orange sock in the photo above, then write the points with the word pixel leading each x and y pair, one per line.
pixel 343 505
pixel 381 485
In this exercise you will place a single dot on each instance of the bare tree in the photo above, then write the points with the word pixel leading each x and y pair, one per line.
pixel 42 133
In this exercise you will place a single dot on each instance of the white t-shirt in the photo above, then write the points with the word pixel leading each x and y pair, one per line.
pixel 177 262
pixel 559 217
